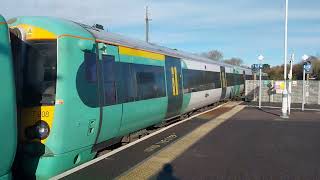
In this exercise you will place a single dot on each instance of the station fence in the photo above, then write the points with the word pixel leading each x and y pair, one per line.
pixel 272 91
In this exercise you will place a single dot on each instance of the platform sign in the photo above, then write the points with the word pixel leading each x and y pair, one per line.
pixel 307 67
pixel 279 86
pixel 255 67
pixel 266 82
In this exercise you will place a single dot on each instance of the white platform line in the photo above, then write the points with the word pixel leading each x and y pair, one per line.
pixel 73 170
pixel 274 107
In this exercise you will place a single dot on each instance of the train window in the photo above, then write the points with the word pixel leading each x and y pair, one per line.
pixel 90 66
pixel 216 79
pixel 140 82
pixel 109 82
pixel 234 79
pixel 229 78
pixel 40 71
pixel 126 89
pixel 150 81
pixel 196 80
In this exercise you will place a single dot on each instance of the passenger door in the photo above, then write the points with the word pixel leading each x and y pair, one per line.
pixel 111 108
pixel 223 82
pixel 174 86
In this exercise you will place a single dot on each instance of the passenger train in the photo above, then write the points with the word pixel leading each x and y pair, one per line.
pixel 8 121
pixel 82 89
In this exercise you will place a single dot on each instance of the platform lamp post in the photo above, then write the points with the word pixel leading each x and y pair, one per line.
pixel 260 58
pixel 304 59
pixel 285 92
pixel 290 84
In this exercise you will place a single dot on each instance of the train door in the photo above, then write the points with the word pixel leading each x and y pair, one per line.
pixel 8 126
pixel 111 110
pixel 223 82
pixel 174 86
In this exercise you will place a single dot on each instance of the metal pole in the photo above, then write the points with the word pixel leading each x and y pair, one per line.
pixel 285 92
pixel 285 47
pixel 147 24
pixel 303 89
pixel 260 87
pixel 290 84
pixel 260 57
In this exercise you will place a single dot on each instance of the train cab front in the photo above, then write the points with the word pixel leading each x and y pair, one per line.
pixel 36 71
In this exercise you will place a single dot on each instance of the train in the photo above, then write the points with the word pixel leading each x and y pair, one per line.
pixel 8 118
pixel 81 89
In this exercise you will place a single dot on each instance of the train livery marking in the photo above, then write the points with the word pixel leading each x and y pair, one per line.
pixel 140 53
pixel 35 114
pixel 175 85
pixel 36 33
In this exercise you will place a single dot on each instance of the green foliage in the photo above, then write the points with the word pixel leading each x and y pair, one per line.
pixel 276 72
pixel 214 55
pixel 234 61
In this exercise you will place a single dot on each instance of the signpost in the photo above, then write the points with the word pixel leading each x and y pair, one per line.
pixel 306 68
pixel 285 92
pixel 290 84
pixel 260 58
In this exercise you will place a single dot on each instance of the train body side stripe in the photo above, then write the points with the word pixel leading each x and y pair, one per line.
pixel 140 53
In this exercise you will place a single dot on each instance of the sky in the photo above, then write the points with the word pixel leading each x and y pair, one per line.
pixel 238 28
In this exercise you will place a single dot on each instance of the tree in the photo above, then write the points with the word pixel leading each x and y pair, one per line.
pixel 276 72
pixel 315 61
pixel 234 61
pixel 214 55
pixel 265 66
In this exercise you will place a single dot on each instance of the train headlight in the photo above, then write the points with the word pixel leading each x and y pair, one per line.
pixel 40 131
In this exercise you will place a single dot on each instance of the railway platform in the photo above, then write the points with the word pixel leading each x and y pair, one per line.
pixel 230 142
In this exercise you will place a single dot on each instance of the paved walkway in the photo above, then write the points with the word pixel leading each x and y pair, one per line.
pixel 232 142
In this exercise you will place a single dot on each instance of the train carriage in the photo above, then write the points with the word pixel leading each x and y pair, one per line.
pixel 84 89
pixel 8 126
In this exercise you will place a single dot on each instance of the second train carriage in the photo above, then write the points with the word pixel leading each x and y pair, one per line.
pixel 84 89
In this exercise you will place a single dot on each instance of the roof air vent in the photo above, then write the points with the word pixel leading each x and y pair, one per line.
pixel 98 26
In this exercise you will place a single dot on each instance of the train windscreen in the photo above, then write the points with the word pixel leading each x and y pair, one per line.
pixel 40 73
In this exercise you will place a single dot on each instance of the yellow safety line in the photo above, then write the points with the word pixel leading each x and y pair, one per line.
pixel 153 165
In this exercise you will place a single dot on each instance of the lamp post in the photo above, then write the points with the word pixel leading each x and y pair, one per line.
pixel 304 59
pixel 290 84
pixel 260 58
pixel 285 92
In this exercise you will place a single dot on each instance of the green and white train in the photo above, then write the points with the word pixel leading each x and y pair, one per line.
pixel 83 89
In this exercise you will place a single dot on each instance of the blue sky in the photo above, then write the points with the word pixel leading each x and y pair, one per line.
pixel 238 28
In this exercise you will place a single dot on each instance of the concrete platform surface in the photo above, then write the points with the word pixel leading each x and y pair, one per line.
pixel 234 142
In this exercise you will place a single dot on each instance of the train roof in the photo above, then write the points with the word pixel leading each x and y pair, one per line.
pixel 138 44
pixel 62 26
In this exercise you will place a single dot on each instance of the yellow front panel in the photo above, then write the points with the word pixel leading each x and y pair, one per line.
pixel 30 116
pixel 36 33
pixel 140 53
